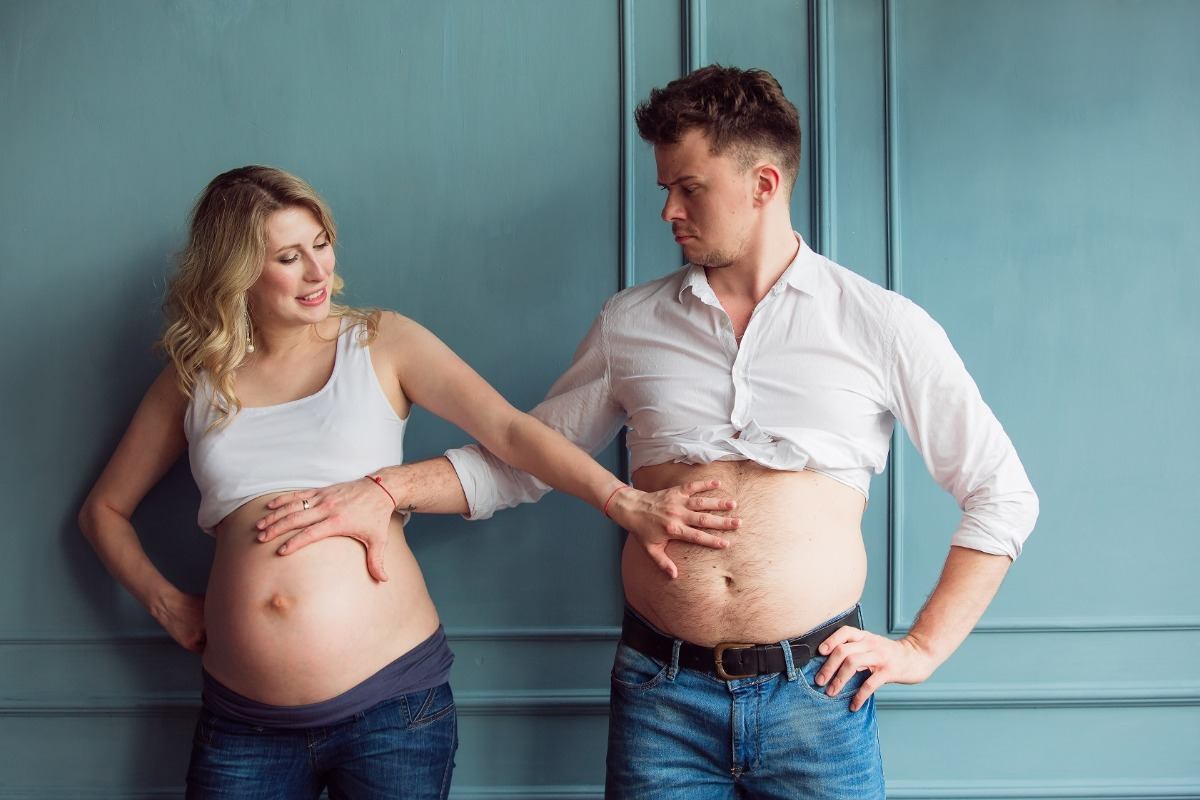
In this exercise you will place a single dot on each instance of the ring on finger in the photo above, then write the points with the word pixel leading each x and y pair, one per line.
pixel 307 505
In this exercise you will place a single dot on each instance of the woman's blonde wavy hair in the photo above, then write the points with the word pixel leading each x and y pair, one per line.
pixel 208 314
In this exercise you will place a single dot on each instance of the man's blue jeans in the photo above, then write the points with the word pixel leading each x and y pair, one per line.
pixel 678 733
pixel 400 748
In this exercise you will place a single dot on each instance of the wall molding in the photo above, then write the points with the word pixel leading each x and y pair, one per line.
pixel 1045 695
pixel 1123 789
pixel 1117 789
pixel 594 702
pixel 822 122
pixel 627 201
pixel 899 618
pixel 1066 624
pixel 549 633
pixel 554 792
pixel 488 702
pixel 694 18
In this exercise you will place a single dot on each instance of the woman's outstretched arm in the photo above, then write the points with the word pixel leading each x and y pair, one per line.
pixel 431 375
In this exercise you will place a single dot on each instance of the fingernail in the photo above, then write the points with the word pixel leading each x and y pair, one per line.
pixel 824 649
pixel 262 537
pixel 282 551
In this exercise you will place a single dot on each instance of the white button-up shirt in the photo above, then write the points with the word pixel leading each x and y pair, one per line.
pixel 827 364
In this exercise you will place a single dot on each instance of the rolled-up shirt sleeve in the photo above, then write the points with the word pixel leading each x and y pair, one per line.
pixel 963 444
pixel 579 405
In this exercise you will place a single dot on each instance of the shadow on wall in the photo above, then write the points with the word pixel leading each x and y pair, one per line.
pixel 140 673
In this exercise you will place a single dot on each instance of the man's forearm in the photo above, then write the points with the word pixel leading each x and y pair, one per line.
pixel 968 583
pixel 428 487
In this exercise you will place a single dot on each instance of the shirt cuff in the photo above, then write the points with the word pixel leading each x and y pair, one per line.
pixel 469 465
pixel 986 543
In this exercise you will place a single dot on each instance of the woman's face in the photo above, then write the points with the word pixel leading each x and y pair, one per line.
pixel 297 276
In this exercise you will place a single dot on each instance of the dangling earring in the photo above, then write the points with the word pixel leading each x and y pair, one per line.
pixel 249 334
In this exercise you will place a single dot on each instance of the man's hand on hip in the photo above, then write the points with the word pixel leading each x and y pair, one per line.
pixel 851 649
pixel 357 509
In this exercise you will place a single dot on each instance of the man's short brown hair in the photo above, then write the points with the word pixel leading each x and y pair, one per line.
pixel 742 110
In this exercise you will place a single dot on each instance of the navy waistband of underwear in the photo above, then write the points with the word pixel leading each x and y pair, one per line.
pixel 425 666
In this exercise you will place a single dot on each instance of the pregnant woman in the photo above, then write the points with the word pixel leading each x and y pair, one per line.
pixel 315 674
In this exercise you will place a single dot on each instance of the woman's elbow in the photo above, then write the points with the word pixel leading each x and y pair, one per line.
pixel 87 519
pixel 91 515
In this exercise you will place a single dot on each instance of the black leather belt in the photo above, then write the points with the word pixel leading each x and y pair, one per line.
pixel 730 660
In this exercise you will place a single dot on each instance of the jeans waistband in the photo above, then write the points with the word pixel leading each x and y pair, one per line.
pixel 425 666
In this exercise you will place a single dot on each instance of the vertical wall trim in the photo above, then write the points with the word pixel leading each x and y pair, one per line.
pixel 890 117
pixel 695 34
pixel 900 619
pixel 626 223
pixel 822 115
pixel 627 200
pixel 895 510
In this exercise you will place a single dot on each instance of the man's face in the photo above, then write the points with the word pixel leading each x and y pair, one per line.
pixel 710 200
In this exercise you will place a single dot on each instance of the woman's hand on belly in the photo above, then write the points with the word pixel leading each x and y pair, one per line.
pixel 299 629
pixel 355 509
pixel 798 558
pixel 675 514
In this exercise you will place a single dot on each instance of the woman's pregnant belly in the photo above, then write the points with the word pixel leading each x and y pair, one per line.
pixel 301 628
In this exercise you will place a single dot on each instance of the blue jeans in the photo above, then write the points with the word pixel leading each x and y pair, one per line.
pixel 400 748
pixel 679 733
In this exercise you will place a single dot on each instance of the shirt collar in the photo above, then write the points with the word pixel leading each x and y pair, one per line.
pixel 802 274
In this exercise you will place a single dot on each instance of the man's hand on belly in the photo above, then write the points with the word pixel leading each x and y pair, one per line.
pixel 356 509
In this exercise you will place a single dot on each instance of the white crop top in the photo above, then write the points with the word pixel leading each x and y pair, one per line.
pixel 345 430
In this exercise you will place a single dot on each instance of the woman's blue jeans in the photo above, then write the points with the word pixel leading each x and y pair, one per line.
pixel 401 748
pixel 679 733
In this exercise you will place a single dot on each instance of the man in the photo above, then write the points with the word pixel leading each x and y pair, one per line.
pixel 779 373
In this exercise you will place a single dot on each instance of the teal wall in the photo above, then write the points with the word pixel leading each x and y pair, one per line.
pixel 1026 170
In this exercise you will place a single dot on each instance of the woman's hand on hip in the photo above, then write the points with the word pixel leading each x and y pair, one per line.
pixel 356 509
pixel 657 518
pixel 182 616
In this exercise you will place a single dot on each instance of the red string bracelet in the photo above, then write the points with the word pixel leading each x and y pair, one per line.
pixel 379 482
pixel 611 496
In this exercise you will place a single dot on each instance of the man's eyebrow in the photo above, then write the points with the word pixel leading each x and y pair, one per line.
pixel 680 179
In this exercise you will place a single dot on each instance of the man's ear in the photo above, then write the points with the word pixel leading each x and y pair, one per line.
pixel 767 182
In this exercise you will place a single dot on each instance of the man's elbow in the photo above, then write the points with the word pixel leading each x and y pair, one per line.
pixel 1000 525
pixel 1026 515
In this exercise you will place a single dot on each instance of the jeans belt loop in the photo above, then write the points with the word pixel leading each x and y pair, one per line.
pixel 800 659
pixel 673 667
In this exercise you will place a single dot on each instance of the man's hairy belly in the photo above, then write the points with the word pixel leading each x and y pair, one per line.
pixel 796 560
pixel 301 628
